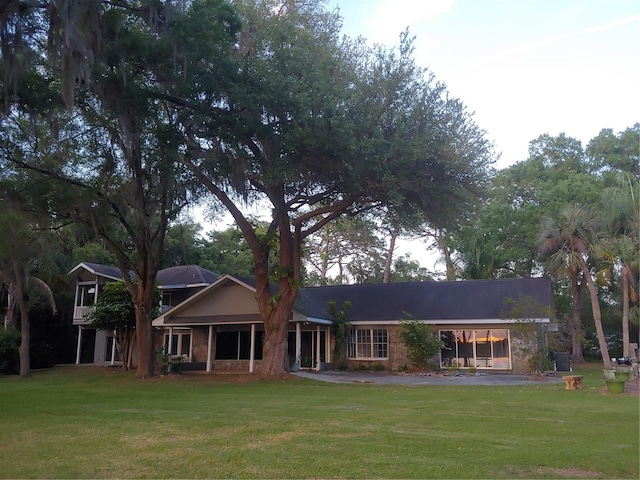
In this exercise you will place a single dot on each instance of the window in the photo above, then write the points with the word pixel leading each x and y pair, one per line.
pixel 367 343
pixel 237 345
pixel 476 348
pixel 86 295
pixel 180 343
pixel 165 304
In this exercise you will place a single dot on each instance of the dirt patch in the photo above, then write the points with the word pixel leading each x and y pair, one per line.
pixel 231 377
pixel 573 473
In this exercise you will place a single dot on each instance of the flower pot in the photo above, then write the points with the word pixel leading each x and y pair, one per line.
pixel 622 375
pixel 615 386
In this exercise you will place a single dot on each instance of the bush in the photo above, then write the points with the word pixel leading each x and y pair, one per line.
pixel 421 343
pixel 9 355
pixel 42 355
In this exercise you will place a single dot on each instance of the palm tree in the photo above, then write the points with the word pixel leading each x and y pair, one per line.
pixel 569 239
pixel 476 260
pixel 621 204
pixel 17 252
pixel 560 268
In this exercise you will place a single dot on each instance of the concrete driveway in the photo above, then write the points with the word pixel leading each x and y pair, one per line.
pixel 419 379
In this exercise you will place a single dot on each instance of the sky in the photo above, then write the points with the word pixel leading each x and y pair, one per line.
pixel 525 67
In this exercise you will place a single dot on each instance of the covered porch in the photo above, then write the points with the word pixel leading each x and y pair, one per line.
pixel 219 329
pixel 238 347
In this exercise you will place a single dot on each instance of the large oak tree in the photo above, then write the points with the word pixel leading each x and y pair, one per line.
pixel 119 68
pixel 318 127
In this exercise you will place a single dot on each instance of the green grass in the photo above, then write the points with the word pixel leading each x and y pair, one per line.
pixel 78 422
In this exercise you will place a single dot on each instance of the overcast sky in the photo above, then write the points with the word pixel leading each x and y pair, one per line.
pixel 525 67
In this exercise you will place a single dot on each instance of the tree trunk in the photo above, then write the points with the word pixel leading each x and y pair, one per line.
pixel 324 257
pixel 597 316
pixel 10 312
pixel 144 330
pixel 442 245
pixel 626 279
pixel 25 340
pixel 575 324
pixel 25 328
pixel 124 344
pixel 275 358
pixel 387 265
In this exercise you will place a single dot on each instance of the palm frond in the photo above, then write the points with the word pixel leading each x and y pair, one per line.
pixel 44 289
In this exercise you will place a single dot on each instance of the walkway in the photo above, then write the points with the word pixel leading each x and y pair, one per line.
pixel 410 379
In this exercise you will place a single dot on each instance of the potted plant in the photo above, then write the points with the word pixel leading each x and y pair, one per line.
pixel 615 385
pixel 622 372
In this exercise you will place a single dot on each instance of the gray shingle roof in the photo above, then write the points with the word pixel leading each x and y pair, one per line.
pixel 468 300
pixel 183 276
pixel 98 269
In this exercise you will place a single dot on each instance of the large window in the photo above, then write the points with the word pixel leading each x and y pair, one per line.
pixel 476 348
pixel 237 345
pixel 367 343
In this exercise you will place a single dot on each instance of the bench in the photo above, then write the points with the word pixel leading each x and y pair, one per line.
pixel 573 382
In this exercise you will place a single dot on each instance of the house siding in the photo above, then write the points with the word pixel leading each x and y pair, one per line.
pixel 521 346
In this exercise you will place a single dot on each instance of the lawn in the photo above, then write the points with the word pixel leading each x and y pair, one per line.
pixel 82 422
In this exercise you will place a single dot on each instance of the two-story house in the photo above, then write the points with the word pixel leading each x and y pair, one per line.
pixel 97 346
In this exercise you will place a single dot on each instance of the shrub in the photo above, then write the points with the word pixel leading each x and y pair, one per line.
pixel 9 356
pixel 421 343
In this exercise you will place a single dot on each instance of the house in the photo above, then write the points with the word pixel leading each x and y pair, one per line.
pixel 97 346
pixel 223 325
pixel 212 322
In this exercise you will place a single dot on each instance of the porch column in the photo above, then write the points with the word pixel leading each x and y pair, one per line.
pixel 327 346
pixel 75 304
pixel 318 348
pixel 298 344
pixel 169 352
pixel 209 348
pixel 113 349
pixel 252 355
pixel 79 345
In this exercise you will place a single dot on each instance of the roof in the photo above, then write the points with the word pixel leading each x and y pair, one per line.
pixel 181 276
pixel 185 276
pixel 98 269
pixel 465 300
pixel 382 302
pixel 392 302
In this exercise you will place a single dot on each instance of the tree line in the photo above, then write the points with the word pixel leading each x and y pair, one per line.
pixel 118 116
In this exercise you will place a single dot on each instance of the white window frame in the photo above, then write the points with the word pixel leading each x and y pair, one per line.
pixel 179 333
pixel 362 344
pixel 476 362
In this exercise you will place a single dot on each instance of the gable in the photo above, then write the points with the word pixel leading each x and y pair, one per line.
pixel 86 272
pixel 228 299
